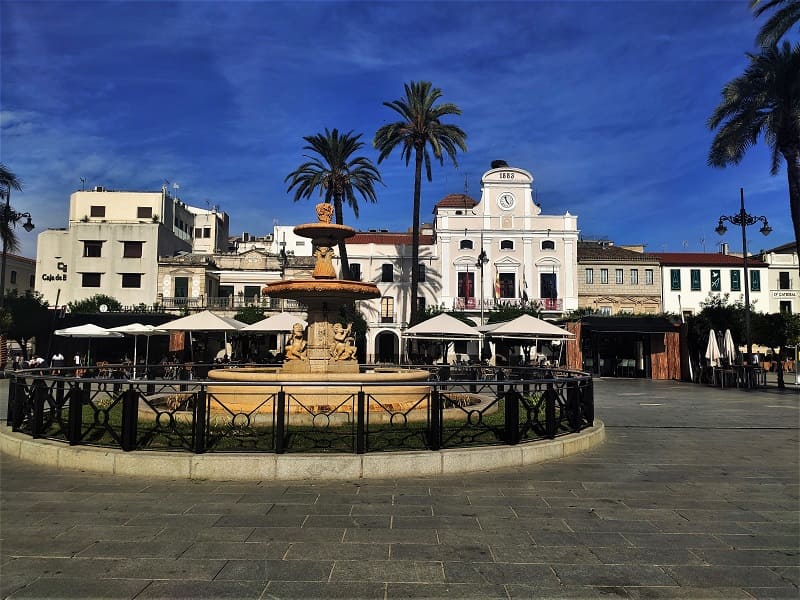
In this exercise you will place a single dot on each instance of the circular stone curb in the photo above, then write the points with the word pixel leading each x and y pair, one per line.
pixel 289 467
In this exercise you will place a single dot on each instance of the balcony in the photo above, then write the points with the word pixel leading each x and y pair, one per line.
pixel 231 303
pixel 469 303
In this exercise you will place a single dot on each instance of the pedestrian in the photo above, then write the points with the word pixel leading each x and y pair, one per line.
pixel 57 362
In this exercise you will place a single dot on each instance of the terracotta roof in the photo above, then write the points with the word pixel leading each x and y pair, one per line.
pixel 396 239
pixel 605 252
pixel 456 201
pixel 710 259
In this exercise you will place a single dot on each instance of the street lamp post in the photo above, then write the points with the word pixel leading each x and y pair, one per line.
pixel 743 220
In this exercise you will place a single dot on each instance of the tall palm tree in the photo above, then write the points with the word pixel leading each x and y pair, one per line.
pixel 419 133
pixel 787 13
pixel 764 101
pixel 336 175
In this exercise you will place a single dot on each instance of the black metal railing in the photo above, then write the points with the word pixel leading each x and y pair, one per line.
pixel 455 407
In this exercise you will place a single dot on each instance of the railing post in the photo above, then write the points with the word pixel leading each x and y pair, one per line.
pixel 511 402
pixel 500 376
pixel 550 425
pixel 588 402
pixel 11 407
pixel 199 425
pixel 78 396
pixel 39 396
pixel 280 422
pixel 435 421
pixel 361 438
pixel 130 418
pixel 574 405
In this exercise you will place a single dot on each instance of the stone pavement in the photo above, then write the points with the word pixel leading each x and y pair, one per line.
pixel 693 495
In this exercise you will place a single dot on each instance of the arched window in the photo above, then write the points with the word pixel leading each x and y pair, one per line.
pixel 465 245
pixel 548 245
pixel 506 244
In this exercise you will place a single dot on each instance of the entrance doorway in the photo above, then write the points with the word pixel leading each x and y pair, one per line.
pixel 387 347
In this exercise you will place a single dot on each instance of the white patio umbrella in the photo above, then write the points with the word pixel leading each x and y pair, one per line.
pixel 280 323
pixel 87 331
pixel 135 330
pixel 712 350
pixel 443 327
pixel 728 347
pixel 203 321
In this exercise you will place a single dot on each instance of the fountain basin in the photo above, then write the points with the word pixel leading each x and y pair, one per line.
pixel 382 396
pixel 327 289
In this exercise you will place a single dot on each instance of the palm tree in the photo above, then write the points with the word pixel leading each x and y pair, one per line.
pixel 787 13
pixel 8 181
pixel 336 176
pixel 764 101
pixel 420 132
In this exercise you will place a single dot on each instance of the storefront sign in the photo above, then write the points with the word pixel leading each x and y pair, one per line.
pixel 784 294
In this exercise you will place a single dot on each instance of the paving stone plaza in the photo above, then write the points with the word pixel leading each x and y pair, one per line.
pixel 694 494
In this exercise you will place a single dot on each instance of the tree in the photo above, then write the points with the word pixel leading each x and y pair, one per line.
pixel 8 181
pixel 420 133
pixel 336 175
pixel 24 317
pixel 765 101
pixel 250 314
pixel 93 304
pixel 777 330
pixel 787 13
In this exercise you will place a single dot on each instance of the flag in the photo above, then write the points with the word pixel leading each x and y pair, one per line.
pixel 524 289
pixel 496 284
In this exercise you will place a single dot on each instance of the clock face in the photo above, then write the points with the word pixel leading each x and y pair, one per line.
pixel 506 200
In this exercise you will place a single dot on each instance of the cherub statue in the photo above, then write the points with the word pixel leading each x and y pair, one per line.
pixel 343 347
pixel 296 348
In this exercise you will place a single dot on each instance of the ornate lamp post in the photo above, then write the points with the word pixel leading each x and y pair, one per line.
pixel 743 220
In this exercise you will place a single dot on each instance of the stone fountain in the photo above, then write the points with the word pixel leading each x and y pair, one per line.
pixel 325 351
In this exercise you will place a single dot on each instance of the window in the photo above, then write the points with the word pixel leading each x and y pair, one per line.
pixel 387 309
pixel 97 211
pixel 506 244
pixel 618 277
pixel 755 281
pixel 251 292
pixel 786 306
pixel 508 286
pixel 736 280
pixel 603 275
pixel 634 276
pixel 92 249
pixel 421 273
pixel 627 308
pixel 355 271
pixel 132 249
pixel 548 245
pixel 716 280
pixel 177 222
pixel 604 310
pixel 465 245
pixel 694 279
pixel 675 279
pixel 548 285
pixel 198 232
pixel 648 276
pixel 590 276
pixel 144 212
pixel 91 280
pixel 32 282
pixel 387 272
pixel 466 284
pixel 131 280
pixel 13 277
pixel 206 232
pixel 420 304
pixel 784 283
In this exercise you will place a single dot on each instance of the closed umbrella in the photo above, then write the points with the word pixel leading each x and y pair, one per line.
pixel 728 348
pixel 712 350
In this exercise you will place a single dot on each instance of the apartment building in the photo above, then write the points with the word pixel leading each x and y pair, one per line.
pixel 113 241
pixel 783 279
pixel 616 279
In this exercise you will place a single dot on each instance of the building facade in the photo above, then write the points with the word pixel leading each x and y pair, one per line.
pixel 689 278
pixel 20 274
pixel 782 275
pixel 614 279
pixel 113 242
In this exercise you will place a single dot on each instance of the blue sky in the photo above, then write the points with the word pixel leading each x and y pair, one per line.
pixel 604 102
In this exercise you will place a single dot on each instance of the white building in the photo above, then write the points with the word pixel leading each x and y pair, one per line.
pixel 688 278
pixel 113 242
pixel 784 284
